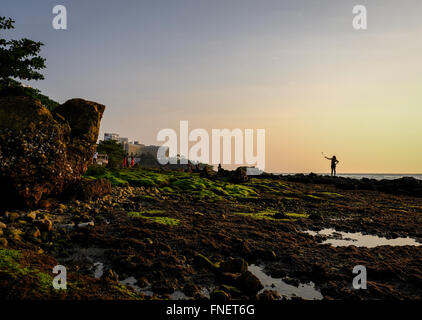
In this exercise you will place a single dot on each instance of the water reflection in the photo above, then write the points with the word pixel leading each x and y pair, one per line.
pixel 304 291
pixel 339 239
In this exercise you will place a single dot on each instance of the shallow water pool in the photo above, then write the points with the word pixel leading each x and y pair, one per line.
pixel 304 291
pixel 340 239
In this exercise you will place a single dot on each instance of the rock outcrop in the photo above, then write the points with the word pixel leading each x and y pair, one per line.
pixel 42 151
pixel 404 186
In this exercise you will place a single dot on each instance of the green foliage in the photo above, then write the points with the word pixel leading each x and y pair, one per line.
pixel 114 150
pixel 15 88
pixel 19 58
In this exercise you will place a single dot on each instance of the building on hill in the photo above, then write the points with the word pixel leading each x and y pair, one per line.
pixel 136 149
pixel 115 137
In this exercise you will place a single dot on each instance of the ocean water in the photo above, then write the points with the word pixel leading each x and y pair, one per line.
pixel 376 176
pixel 388 176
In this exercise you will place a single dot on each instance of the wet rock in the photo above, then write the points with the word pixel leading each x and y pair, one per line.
pixel 229 278
pixel 45 204
pixel 13 216
pixel 203 262
pixel 3 243
pixel 316 216
pixel 208 172
pixel 44 224
pixel 86 224
pixel 219 295
pixel 84 119
pixel 42 151
pixel 280 215
pixel 249 283
pixel 269 295
pixel 234 266
pixel 239 175
pixel 164 286
pixel 31 216
pixel 231 290
pixel 36 233
pixel 110 277
pixel 87 189
pixel 191 290
pixel 15 234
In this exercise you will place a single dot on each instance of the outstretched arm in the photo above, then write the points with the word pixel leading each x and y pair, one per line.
pixel 328 158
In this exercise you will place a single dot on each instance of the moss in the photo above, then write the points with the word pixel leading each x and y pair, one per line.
pixel 11 265
pixel 331 194
pixel 313 197
pixel 266 214
pixel 202 261
pixel 161 220
pixel 126 292
pixel 153 211
pixel 174 183
pixel 45 281
pixel 297 215
pixel 8 260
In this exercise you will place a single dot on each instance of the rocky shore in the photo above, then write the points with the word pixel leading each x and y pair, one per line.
pixel 161 234
pixel 170 235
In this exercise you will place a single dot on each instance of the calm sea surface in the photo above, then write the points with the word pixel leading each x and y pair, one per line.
pixel 378 176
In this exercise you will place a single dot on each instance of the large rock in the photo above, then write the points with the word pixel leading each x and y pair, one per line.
pixel 87 189
pixel 41 152
pixel 84 119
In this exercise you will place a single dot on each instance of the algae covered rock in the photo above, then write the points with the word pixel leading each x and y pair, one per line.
pixel 234 266
pixel 40 151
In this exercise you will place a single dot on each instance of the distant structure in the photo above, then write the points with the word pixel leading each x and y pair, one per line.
pixel 115 137
pixel 135 148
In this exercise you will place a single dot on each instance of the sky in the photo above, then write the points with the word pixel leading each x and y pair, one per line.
pixel 296 68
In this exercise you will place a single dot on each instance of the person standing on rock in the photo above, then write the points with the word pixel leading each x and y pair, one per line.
pixel 125 160
pixel 334 162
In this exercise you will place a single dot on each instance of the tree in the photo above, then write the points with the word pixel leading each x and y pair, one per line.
pixel 19 58
pixel 114 150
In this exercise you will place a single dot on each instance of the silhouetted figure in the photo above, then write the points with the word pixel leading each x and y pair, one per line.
pixel 219 167
pixel 334 162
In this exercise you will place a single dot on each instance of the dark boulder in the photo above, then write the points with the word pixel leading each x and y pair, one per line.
pixel 239 175
pixel 249 283
pixel 40 151
pixel 234 266
pixel 87 189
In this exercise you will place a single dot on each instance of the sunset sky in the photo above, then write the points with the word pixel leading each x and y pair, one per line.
pixel 295 68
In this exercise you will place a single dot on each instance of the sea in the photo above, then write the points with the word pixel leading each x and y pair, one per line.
pixel 376 176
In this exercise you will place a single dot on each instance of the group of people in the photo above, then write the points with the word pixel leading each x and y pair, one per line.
pixel 193 167
pixel 128 161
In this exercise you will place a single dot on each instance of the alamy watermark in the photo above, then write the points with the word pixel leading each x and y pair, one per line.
pixel 60 281
pixel 60 20
pixel 360 281
pixel 175 150
pixel 360 20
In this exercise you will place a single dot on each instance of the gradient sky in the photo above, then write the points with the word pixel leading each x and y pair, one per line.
pixel 295 68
